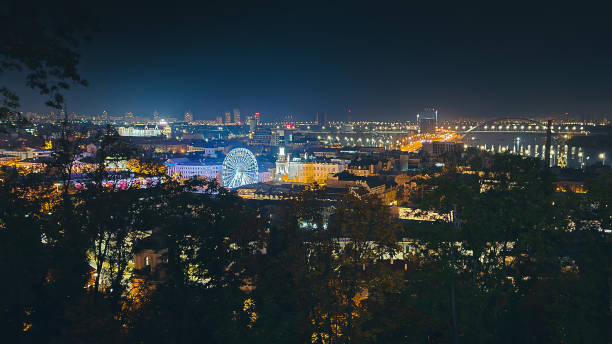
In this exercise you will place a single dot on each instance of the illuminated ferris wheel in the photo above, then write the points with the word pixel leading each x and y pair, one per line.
pixel 239 168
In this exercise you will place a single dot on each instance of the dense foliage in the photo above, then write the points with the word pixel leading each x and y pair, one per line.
pixel 518 263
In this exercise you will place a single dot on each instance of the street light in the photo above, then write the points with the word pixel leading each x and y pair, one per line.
pixel 602 156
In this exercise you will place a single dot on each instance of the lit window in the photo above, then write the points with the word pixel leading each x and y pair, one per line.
pixel 147 261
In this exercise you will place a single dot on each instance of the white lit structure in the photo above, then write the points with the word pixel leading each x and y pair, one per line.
pixel 26 153
pixel 240 168
pixel 186 168
pixel 139 131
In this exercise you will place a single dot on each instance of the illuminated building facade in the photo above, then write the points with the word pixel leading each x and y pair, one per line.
pixel 142 131
pixel 26 153
pixel 308 171
pixel 186 168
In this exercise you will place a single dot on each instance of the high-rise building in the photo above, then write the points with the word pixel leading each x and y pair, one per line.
pixel 104 115
pixel 228 117
pixel 237 116
pixel 219 120
pixel 252 122
pixel 257 118
pixel 155 116
pixel 427 120
pixel 129 116
pixel 188 117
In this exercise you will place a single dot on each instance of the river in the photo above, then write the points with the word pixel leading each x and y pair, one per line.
pixel 533 144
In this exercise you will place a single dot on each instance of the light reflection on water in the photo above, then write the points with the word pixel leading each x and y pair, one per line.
pixel 533 145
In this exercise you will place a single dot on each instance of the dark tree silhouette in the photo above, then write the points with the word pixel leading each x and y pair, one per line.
pixel 40 40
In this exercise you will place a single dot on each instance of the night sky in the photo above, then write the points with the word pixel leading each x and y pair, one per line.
pixel 381 61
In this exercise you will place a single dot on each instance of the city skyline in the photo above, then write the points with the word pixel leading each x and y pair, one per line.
pixel 383 62
pixel 303 172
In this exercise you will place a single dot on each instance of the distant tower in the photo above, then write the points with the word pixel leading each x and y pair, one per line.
pixel 228 117
pixel 129 116
pixel 548 142
pixel 237 116
pixel 317 118
pixel 427 120
pixel 252 122
pixel 219 120
pixel 104 115
pixel 155 116
pixel 188 117
pixel 257 118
